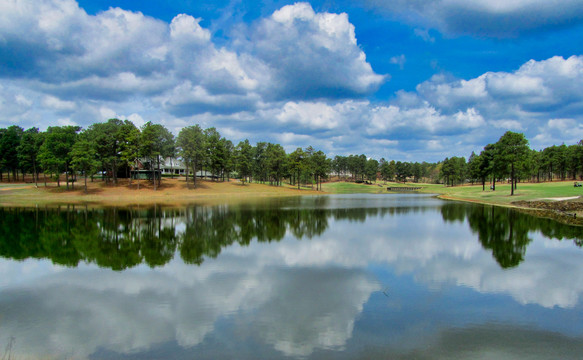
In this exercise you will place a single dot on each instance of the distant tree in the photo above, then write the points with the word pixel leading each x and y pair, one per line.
pixel 575 159
pixel 387 169
pixel 371 169
pixel 322 166
pixel 244 160
pixel 129 153
pixel 55 152
pixel 535 164
pixel 156 144
pixel 108 138
pixel 84 156
pixel 493 164
pixel 453 170
pixel 474 167
pixel 402 171
pixel 276 162
pixel 512 150
pixel 191 147
pixel 215 152
pixel 339 165
pixel 260 162
pixel 28 150
pixel 297 164
pixel 2 165
pixel 417 171
pixel 9 142
pixel 229 160
pixel 361 164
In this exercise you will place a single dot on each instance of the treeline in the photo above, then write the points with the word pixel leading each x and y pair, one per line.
pixel 511 159
pixel 118 147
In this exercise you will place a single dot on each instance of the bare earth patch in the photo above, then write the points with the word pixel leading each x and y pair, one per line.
pixel 567 209
pixel 172 192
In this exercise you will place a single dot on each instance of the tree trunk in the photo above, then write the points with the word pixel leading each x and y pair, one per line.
pixel 114 171
pixel 194 174
pixel 85 172
pixel 298 180
pixel 35 175
pixel 67 178
pixel 512 179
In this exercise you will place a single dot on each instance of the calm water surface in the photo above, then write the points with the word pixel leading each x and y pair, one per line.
pixel 342 277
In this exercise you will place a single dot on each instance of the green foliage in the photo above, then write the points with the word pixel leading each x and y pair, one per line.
pixel 28 150
pixel 9 142
pixel 512 151
pixel 371 169
pixel 55 152
pixel 84 156
pixel 297 164
pixel 244 159
pixel 156 143
pixel 191 147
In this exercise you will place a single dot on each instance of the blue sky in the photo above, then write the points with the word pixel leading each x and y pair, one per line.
pixel 407 80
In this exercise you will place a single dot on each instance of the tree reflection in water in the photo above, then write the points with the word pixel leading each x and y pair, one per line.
pixel 506 231
pixel 121 238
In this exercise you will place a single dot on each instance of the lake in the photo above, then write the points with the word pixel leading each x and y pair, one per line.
pixel 323 277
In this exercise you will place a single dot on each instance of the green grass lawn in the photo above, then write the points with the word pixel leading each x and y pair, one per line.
pixel 526 191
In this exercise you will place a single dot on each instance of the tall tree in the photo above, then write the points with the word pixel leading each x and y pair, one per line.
pixel 244 160
pixel 2 165
pixel 215 152
pixel 512 150
pixel 260 171
pixel 28 150
pixel 297 164
pixel 387 172
pixel 191 147
pixel 322 166
pixel 371 169
pixel 84 156
pixel 55 152
pixel 156 144
pixel 339 164
pixel 108 138
pixel 9 143
pixel 276 162
pixel 129 152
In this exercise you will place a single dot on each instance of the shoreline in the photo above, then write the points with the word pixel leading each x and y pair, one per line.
pixel 552 200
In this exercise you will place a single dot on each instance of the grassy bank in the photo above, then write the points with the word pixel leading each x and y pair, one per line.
pixel 171 192
pixel 473 193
